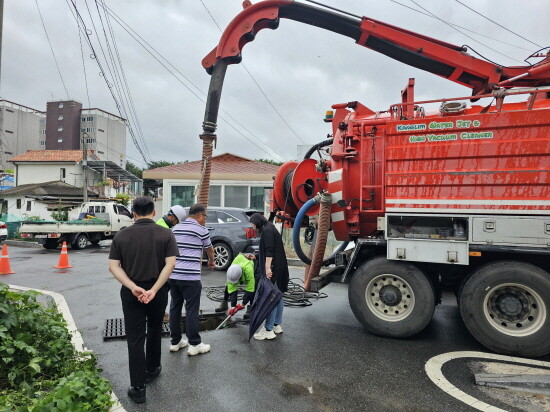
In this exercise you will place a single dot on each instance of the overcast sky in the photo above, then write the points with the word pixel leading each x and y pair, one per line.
pixel 301 69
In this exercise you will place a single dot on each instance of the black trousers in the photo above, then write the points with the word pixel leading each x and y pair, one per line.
pixel 141 320
pixel 188 291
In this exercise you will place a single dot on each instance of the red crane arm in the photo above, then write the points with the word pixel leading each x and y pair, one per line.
pixel 432 55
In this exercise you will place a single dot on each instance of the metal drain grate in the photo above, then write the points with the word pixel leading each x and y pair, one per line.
pixel 114 329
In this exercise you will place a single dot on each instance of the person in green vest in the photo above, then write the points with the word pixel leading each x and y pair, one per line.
pixel 175 215
pixel 240 271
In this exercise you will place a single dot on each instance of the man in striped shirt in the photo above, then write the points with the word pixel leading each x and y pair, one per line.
pixel 185 281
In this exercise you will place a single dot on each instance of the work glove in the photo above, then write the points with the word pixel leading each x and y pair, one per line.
pixel 232 311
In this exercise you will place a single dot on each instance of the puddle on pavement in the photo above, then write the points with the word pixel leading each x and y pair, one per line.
pixel 295 389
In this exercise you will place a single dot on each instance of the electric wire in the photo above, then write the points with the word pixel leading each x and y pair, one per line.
pixel 461 27
pixel 122 78
pixel 84 66
pixel 256 83
pixel 498 24
pixel 82 27
pixel 51 48
pixel 151 50
pixel 460 31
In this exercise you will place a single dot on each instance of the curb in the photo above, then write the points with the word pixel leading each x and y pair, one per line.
pixel 21 243
pixel 76 340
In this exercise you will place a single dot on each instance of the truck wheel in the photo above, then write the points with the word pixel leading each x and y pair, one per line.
pixel 51 244
pixel 505 306
pixel 394 299
pixel 223 255
pixel 80 242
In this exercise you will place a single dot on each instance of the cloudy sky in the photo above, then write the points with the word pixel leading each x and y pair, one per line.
pixel 291 76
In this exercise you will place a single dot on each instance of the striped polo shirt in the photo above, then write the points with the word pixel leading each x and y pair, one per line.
pixel 191 239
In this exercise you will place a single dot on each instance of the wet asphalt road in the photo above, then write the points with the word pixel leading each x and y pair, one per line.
pixel 324 360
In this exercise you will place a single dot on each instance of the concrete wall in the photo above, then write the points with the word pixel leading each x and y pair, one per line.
pixel 107 135
pixel 15 214
pixel 20 130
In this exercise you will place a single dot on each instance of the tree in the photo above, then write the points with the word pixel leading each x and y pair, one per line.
pixel 268 161
pixel 159 163
pixel 132 168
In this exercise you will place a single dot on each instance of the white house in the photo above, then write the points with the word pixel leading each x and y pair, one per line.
pixel 235 181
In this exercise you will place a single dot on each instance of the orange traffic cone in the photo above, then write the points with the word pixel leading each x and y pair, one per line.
pixel 63 258
pixel 5 268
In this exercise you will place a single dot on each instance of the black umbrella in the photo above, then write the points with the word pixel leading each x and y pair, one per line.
pixel 266 299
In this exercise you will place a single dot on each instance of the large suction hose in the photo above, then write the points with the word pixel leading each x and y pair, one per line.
pixel 317 146
pixel 296 229
pixel 321 242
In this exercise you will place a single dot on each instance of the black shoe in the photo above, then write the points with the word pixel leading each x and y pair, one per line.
pixel 152 375
pixel 137 394
pixel 222 307
pixel 246 316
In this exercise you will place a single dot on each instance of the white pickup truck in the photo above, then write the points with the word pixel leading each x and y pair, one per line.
pixel 92 222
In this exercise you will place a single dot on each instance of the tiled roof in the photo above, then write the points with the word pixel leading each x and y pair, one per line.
pixel 225 163
pixel 51 156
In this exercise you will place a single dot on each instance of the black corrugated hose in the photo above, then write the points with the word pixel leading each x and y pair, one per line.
pixel 296 296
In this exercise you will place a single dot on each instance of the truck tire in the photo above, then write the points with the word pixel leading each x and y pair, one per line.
pixel 51 244
pixel 394 299
pixel 80 242
pixel 505 306
pixel 223 255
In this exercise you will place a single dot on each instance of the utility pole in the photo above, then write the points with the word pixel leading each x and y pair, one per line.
pixel 84 165
pixel 1 125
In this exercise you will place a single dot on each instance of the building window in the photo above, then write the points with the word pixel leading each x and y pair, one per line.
pixel 257 197
pixel 59 128
pixel 61 105
pixel 29 204
pixel 83 119
pixel 183 195
pixel 101 130
pixel 9 110
pixel 19 203
pixel 62 173
pixel 60 140
pixel 60 117
pixel 236 196
pixel 215 196
pixel 8 131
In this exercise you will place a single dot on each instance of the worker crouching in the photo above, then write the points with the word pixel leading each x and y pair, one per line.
pixel 241 271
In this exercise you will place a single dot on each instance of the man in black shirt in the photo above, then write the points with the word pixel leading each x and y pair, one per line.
pixel 142 258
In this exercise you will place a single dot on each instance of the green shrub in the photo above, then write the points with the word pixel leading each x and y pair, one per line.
pixel 39 365
pixel 123 198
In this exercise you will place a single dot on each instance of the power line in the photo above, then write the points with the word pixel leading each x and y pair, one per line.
pixel 460 31
pixel 88 33
pixel 84 66
pixel 51 48
pixel 257 84
pixel 461 27
pixel 123 84
pixel 498 24
pixel 151 50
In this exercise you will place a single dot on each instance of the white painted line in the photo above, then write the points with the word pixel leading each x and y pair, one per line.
pixel 433 370
pixel 76 339
pixel 498 202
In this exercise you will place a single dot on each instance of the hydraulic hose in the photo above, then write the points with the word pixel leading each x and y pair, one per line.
pixel 296 229
pixel 317 146
pixel 321 243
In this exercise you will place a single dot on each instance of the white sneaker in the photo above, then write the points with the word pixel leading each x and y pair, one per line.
pixel 182 344
pixel 265 334
pixel 196 349
pixel 277 329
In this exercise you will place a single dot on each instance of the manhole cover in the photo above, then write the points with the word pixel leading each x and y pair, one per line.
pixel 114 328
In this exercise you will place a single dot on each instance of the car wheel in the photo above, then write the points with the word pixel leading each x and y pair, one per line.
pixel 505 306
pixel 223 255
pixel 80 242
pixel 394 299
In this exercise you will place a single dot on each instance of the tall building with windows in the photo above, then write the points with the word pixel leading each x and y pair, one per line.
pixel 22 128
pixel 67 123
pixel 106 134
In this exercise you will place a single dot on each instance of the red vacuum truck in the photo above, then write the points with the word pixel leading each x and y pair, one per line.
pixel 454 197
